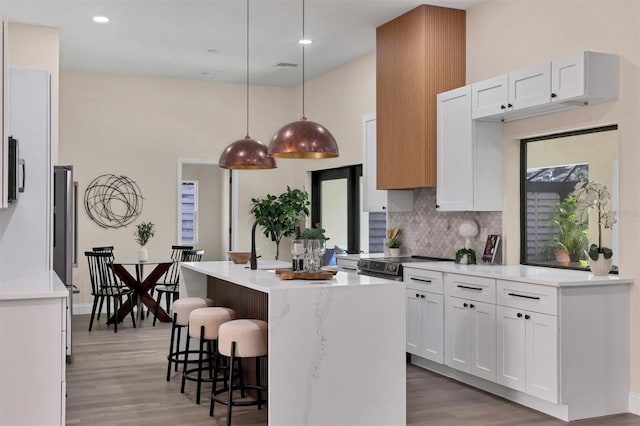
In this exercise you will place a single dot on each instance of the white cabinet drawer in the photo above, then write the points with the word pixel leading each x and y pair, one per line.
pixel 471 288
pixel 530 297
pixel 347 265
pixel 419 279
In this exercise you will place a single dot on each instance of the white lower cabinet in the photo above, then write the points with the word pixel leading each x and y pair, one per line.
pixel 528 352
pixel 425 314
pixel 470 337
pixel 346 265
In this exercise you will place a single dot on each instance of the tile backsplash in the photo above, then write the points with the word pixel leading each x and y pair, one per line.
pixel 428 232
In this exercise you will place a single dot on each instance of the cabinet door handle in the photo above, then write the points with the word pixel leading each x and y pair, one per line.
pixel 527 317
pixel 472 306
pixel 422 280
pixel 519 315
pixel 524 296
pixel 502 107
pixel 417 296
pixel 465 305
pixel 469 287
pixel 553 95
pixel 509 106
pixel 346 268
pixel 437 206
pixel 422 296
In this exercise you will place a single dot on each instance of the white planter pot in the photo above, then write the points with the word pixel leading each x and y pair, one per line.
pixel 394 252
pixel 143 254
pixel 601 266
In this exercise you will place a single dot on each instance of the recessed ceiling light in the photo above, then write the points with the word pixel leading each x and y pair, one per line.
pixel 305 41
pixel 100 19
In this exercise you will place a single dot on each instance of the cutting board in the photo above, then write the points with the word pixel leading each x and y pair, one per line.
pixel 288 274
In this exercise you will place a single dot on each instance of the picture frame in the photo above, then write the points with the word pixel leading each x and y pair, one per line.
pixel 491 248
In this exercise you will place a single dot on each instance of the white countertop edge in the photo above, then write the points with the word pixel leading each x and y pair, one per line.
pixel 37 285
pixel 265 280
pixel 522 273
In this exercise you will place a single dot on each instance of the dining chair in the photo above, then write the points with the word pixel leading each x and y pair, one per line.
pixel 113 279
pixel 171 289
pixel 102 286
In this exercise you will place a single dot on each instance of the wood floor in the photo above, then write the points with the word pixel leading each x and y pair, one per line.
pixel 119 379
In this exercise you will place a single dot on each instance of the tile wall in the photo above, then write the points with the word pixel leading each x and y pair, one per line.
pixel 428 232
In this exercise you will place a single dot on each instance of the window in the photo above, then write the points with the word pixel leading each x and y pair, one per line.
pixel 336 203
pixel 189 212
pixel 551 166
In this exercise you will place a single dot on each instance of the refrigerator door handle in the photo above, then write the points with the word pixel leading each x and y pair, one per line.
pixel 23 174
pixel 75 225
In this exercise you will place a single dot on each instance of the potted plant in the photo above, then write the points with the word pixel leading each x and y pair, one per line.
pixel 144 232
pixel 593 195
pixel 393 241
pixel 284 211
pixel 573 237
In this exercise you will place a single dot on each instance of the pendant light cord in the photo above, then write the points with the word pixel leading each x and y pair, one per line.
pixel 303 115
pixel 247 68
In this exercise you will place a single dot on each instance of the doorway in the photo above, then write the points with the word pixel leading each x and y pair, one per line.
pixel 203 207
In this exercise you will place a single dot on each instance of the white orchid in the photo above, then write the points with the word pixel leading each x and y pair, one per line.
pixel 594 195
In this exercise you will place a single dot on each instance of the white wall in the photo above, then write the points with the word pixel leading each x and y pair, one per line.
pixel 507 35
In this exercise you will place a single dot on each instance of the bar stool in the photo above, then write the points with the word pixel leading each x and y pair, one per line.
pixel 181 310
pixel 244 338
pixel 204 324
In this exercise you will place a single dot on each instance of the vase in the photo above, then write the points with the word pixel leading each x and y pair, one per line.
pixel 601 266
pixel 562 257
pixel 394 252
pixel 143 254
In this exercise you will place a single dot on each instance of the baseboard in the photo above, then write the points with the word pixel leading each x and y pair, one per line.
pixel 634 403
pixel 82 308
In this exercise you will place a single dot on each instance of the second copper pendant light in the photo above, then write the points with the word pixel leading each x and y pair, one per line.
pixel 303 138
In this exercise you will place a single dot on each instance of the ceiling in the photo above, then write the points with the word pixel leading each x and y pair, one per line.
pixel 173 37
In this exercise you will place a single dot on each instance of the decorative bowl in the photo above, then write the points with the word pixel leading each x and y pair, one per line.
pixel 239 257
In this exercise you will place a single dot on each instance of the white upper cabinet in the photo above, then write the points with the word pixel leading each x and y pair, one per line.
pixel 588 77
pixel 530 87
pixel 374 200
pixel 4 134
pixel 579 79
pixel 469 156
pixel 490 97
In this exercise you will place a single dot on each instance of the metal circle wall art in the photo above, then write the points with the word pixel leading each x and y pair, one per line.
pixel 113 201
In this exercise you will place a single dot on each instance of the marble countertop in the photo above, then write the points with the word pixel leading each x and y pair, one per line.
pixel 33 285
pixel 264 279
pixel 530 274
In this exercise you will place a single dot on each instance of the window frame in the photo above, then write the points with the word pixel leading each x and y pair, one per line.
pixel 195 184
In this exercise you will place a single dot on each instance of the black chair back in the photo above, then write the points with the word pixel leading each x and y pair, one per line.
pixel 192 255
pixel 173 273
pixel 99 270
pixel 108 249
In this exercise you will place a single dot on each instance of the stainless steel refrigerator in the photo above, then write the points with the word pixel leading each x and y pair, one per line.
pixel 65 235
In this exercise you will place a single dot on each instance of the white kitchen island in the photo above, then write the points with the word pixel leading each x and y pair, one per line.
pixel 336 347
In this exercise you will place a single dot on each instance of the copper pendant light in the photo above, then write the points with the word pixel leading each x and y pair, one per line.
pixel 246 153
pixel 303 138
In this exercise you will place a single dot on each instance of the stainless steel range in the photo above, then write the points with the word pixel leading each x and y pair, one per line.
pixel 390 267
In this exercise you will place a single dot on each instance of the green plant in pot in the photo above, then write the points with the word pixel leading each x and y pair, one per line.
pixel 314 233
pixel 285 212
pixel 143 233
pixel 572 237
pixel 595 196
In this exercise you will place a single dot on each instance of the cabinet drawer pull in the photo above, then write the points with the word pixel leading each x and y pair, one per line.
pixel 417 296
pixel 421 280
pixel 469 287
pixel 524 296
pixel 346 268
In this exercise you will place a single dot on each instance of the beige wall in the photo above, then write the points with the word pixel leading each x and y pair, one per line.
pixel 211 208
pixel 507 35
pixel 38 47
pixel 140 126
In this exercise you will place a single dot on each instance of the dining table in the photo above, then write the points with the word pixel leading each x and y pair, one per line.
pixel 140 286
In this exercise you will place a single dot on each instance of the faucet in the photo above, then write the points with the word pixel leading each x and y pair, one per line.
pixel 254 258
